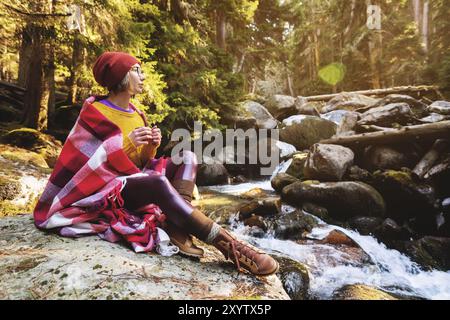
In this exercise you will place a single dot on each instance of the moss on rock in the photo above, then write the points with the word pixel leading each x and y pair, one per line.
pixel 361 292
pixel 45 145
pixel 9 189
pixel 295 278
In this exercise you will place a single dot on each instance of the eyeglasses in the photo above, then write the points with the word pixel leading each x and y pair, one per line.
pixel 138 70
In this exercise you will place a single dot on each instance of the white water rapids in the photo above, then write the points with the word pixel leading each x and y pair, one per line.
pixel 391 271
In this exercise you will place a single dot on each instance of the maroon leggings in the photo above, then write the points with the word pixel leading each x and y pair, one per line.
pixel 156 188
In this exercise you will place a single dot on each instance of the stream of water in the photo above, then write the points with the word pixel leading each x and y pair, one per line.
pixel 330 269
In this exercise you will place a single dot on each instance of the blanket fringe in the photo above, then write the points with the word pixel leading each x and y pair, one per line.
pixel 152 218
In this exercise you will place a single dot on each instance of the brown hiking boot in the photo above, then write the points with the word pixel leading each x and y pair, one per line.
pixel 183 241
pixel 185 188
pixel 244 255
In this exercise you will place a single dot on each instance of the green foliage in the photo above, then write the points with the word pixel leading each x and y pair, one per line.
pixel 200 82
pixel 300 47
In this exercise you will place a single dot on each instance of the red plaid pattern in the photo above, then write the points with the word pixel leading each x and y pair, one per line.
pixel 82 196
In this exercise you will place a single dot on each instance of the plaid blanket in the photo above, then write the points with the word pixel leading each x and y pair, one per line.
pixel 82 196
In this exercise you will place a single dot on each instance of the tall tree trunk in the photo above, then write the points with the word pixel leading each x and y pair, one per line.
pixel 78 61
pixel 350 23
pixel 38 85
pixel 50 79
pixel 375 44
pixel 316 53
pixel 25 54
pixel 289 83
pixel 50 74
pixel 426 7
pixel 416 9
pixel 311 66
pixel 254 82
pixel 163 5
pixel 3 70
pixel 375 53
pixel 240 63
pixel 76 68
pixel 177 10
pixel 37 88
pixel 221 29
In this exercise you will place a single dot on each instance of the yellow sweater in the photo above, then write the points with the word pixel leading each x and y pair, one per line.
pixel 127 122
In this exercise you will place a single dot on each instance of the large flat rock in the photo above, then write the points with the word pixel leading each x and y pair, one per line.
pixel 38 265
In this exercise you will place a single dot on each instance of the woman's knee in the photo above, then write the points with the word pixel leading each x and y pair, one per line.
pixel 151 182
pixel 159 182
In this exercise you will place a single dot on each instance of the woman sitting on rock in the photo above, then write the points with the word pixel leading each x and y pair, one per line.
pixel 107 180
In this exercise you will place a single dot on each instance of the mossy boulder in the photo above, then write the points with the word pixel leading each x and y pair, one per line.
pixel 405 196
pixel 256 221
pixel 297 165
pixel 22 156
pixel 310 131
pixel 220 207
pixel 389 157
pixel 295 278
pixel 36 141
pixel 255 194
pixel 355 173
pixel 361 292
pixel 317 211
pixel 430 252
pixel 22 180
pixel 348 101
pixel 387 115
pixel 264 119
pixel 212 174
pixel 262 207
pixel 282 180
pixel 389 230
pixel 343 200
pixel 328 162
pixel 418 108
pixel 439 176
pixel 292 225
pixel 281 106
pixel 441 107
pixel 308 108
pixel 365 225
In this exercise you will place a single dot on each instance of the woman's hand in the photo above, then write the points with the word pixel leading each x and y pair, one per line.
pixel 141 135
pixel 156 136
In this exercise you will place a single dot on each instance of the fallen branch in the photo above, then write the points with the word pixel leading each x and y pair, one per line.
pixel 12 87
pixel 15 95
pixel 430 158
pixel 374 128
pixel 378 92
pixel 430 131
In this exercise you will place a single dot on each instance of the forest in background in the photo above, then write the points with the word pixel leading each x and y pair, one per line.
pixel 202 57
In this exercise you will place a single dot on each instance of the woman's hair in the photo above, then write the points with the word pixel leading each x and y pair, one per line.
pixel 122 85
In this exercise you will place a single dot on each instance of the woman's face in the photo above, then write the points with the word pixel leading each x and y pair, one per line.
pixel 136 80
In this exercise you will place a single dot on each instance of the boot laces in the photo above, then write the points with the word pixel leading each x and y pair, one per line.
pixel 244 249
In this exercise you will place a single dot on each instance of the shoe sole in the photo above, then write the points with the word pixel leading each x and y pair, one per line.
pixel 188 254
pixel 242 269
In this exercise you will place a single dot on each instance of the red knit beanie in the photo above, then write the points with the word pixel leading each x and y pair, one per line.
pixel 111 67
